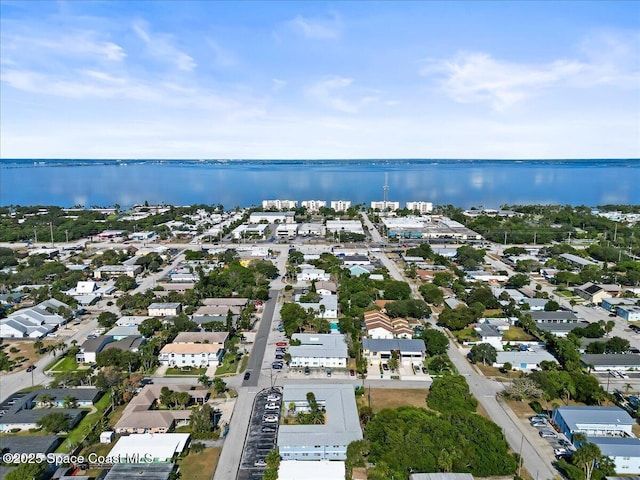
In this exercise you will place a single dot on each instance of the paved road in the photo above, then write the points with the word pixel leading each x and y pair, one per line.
pixel 260 343
pixel 13 382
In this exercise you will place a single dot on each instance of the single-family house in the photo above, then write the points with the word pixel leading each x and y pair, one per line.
pixel 595 293
pixel 326 308
pixel 324 287
pixel 524 360
pixel 310 274
pixel 489 334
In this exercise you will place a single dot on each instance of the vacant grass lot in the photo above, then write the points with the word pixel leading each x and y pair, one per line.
pixel 517 334
pixel 394 397
pixel 200 466
pixel 66 364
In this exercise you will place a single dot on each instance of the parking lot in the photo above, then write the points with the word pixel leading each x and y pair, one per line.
pixel 262 434
pixel 562 447
pixel 9 403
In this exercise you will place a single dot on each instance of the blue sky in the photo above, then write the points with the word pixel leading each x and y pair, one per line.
pixel 320 80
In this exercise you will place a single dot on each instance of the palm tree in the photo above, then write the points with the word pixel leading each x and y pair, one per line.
pixel 627 388
pixel 70 401
pixel 47 400
pixel 38 345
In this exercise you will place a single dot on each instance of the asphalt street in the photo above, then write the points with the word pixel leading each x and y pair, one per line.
pixel 260 343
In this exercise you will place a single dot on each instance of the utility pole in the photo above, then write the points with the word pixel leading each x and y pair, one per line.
pixel 535 236
pixel 520 452
pixel 505 238
pixel 51 230
pixel 66 233
pixel 615 233
pixel 35 235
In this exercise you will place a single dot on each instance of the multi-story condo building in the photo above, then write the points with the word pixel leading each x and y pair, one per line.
pixel 421 207
pixel 340 205
pixel 279 204
pixel 385 206
pixel 314 205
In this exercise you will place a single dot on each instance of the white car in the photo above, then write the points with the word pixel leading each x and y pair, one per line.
pixel 273 398
pixel 270 419
pixel 272 406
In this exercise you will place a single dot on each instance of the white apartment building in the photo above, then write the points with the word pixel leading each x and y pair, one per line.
pixel 340 205
pixel 385 206
pixel 314 205
pixel 352 226
pixel 279 204
pixel 422 207
pixel 319 350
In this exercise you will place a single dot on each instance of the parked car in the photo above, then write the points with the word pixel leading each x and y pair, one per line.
pixel 31 368
pixel 560 451
pixel 272 406
pixel 281 344
pixel 277 365
pixel 307 371
pixel 352 373
pixel 424 370
pixel 247 375
pixel 329 372
pixel 270 418
pixel 260 463
pixel 279 356
pixel 385 367
pixel 273 398
pixel 548 434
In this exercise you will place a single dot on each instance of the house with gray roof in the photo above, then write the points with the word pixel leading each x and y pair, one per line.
pixel 319 350
pixel 560 316
pixel 91 347
pixel 379 350
pixel 320 442
pixel 85 397
pixel 610 361
pixel 524 360
pixel 624 451
pixel 21 415
pixel 560 329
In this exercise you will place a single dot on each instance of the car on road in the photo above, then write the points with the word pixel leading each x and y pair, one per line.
pixel 247 375
pixel 31 368
pixel 270 418
pixel 385 367
pixel 352 373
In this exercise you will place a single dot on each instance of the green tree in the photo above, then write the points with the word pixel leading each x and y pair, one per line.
pixel 219 385
pixel 149 327
pixel 451 394
pixel 551 306
pixel 55 422
pixel 483 352
pixel 617 345
pixel 587 457
pixel 125 283
pixel 30 471
pixel 431 294
pixel 518 280
pixel 107 319
pixel 201 419
pixel 435 341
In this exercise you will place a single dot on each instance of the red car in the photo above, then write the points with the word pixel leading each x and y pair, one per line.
pixel 281 344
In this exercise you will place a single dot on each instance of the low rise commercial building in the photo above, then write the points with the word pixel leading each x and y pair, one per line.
pixel 149 448
pixel 112 271
pixel 624 451
pixel 593 421
pixel 159 309
pixel 602 362
pixel 630 313
pixel 524 360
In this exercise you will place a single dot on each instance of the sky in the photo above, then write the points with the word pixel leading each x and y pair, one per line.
pixel 319 80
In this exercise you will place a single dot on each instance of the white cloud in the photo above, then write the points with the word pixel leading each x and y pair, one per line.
pixel 477 77
pixel 161 46
pixel 315 28
pixel 324 92
pixel 222 57
pixel 277 84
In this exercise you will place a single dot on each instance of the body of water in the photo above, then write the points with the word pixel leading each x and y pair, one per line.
pixel 463 183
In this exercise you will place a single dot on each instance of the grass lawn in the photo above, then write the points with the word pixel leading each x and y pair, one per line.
pixel 517 334
pixel 229 364
pixel 67 364
pixel 200 466
pixel 243 364
pixel 521 409
pixel 490 371
pixel 193 372
pixel 86 424
pixel 466 335
pixel 393 397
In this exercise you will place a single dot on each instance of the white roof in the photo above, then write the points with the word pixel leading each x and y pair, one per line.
pixel 161 446
pixel 529 357
pixel 85 287
pixel 305 470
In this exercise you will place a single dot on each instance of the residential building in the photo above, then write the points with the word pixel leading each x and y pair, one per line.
pixel 385 206
pixel 420 207
pixel 141 471
pixel 611 361
pixel 560 329
pixel 91 347
pixel 350 260
pixel 320 442
pixel 141 416
pixel 326 308
pixel 239 302
pixel 159 309
pixel 272 217
pixel 148 448
pixel 593 421
pixel 410 351
pixel 489 334
pixel 112 271
pixel 319 350
pixel 629 313
pixel 595 293
pixel 611 304
pixel 535 304
pixel 34 322
pixel 119 332
pixel 379 325
pixel 84 397
pixel 197 355
pixel 279 204
pixel 314 205
pixel 340 205
pixel 624 451
pixel 310 274
pixel 324 287
pixel 318 470
pixel 22 414
pixel 524 360
pixel 561 316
